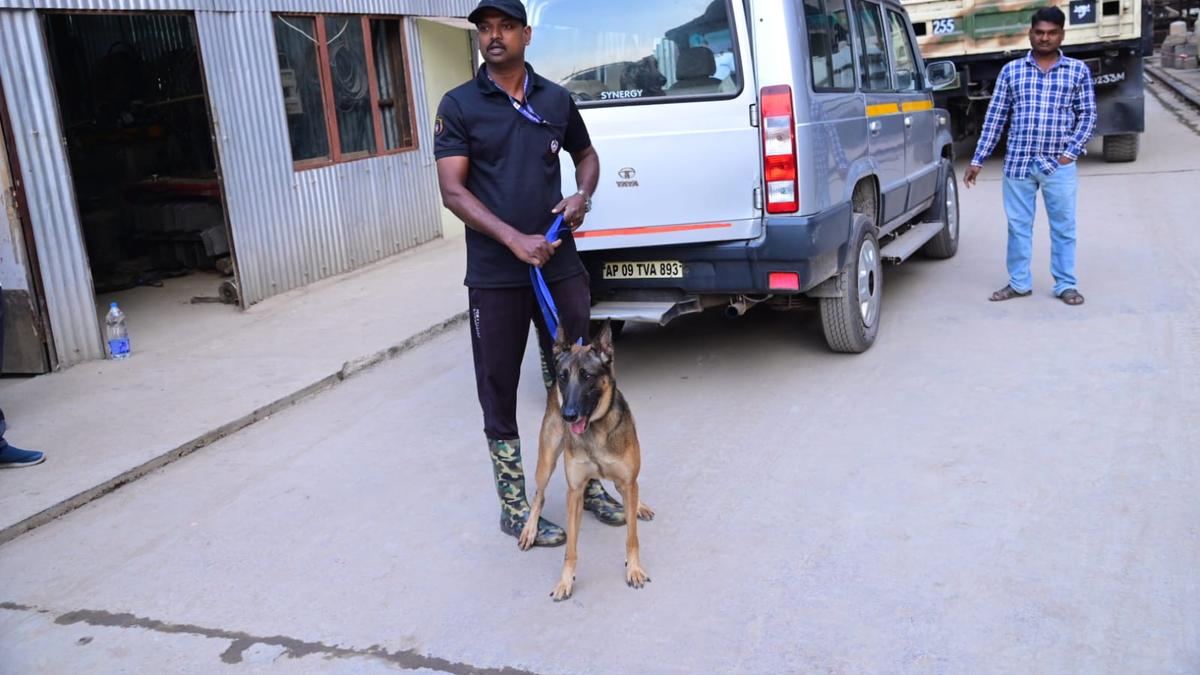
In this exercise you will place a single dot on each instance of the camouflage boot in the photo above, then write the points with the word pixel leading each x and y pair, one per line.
pixel 510 487
pixel 608 510
pixel 547 373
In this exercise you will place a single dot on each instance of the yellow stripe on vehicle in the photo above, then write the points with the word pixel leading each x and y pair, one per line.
pixel 917 106
pixel 882 109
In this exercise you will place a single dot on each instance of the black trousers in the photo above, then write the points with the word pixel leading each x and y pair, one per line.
pixel 499 332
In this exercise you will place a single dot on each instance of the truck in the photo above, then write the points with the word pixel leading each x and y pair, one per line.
pixel 980 36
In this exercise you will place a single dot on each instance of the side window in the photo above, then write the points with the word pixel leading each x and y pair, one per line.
pixel 872 48
pixel 828 26
pixel 346 87
pixel 908 75
pixel 303 92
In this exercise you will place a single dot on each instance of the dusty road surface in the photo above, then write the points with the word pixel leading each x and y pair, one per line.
pixel 993 488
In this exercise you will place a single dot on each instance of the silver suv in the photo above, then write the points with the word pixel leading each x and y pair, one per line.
pixel 755 152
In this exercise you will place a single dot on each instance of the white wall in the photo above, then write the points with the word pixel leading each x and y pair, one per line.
pixel 447 55
pixel 14 269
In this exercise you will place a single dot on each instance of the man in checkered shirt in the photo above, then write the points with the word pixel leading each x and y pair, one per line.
pixel 1050 102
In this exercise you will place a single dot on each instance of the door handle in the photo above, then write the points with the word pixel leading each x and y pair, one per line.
pixel 908 121
pixel 874 127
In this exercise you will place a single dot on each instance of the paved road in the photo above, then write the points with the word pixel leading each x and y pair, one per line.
pixel 992 488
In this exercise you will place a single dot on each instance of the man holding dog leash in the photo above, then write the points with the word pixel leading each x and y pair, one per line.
pixel 497 141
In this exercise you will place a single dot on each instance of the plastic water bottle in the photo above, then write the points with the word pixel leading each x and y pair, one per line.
pixel 118 334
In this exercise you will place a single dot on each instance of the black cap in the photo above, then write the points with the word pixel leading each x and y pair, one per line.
pixel 512 8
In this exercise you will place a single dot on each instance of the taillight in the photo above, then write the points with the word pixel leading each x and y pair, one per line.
pixel 783 281
pixel 779 148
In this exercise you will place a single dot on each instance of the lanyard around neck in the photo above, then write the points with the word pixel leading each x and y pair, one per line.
pixel 526 108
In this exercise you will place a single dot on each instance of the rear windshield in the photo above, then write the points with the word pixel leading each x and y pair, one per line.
pixel 622 51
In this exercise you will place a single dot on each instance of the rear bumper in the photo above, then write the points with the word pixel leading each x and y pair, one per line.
pixel 811 246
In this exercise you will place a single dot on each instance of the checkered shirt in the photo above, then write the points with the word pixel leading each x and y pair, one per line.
pixel 1052 114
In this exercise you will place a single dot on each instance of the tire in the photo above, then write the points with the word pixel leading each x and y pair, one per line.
pixel 945 208
pixel 1121 147
pixel 851 322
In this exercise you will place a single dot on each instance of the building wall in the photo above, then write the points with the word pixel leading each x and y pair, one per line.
pixel 66 277
pixel 289 228
pixel 446 59
pixel 14 269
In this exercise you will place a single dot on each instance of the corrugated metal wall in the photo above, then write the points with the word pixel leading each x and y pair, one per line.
pixel 55 222
pixel 290 228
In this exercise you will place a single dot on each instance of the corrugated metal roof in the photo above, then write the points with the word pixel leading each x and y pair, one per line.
pixel 406 7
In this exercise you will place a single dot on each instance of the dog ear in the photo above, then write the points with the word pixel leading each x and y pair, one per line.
pixel 561 346
pixel 603 342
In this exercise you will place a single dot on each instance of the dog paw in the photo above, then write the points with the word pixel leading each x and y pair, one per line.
pixel 528 536
pixel 644 511
pixel 562 591
pixel 635 576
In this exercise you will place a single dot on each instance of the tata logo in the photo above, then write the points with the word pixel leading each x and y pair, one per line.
pixel 628 178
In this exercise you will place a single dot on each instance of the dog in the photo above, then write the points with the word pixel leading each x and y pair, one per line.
pixel 588 419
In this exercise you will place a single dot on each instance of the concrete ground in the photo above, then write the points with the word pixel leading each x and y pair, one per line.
pixel 165 318
pixel 1186 83
pixel 993 488
pixel 201 371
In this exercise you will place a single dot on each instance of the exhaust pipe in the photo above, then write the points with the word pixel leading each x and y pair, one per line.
pixel 742 304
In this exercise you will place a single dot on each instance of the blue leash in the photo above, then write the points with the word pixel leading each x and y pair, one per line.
pixel 541 290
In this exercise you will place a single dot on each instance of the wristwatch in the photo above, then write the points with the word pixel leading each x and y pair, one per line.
pixel 587 201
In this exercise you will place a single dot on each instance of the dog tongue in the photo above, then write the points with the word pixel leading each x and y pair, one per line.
pixel 579 426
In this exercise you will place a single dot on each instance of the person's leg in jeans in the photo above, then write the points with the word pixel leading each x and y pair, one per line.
pixel 499 327
pixel 1020 202
pixel 573 298
pixel 1059 190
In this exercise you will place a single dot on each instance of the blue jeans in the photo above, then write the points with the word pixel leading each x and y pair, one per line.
pixel 1020 203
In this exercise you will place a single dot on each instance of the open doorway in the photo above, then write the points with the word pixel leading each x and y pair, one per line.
pixel 24 336
pixel 135 117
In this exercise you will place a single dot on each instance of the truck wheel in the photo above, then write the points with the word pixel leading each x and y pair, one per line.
pixel 945 209
pixel 1121 147
pixel 852 321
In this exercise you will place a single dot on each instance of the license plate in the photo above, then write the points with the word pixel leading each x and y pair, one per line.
pixel 650 269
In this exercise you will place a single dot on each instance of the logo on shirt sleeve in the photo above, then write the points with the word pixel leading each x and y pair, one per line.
pixel 438 126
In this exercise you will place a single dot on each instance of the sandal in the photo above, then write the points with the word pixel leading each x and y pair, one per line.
pixel 1008 293
pixel 1071 297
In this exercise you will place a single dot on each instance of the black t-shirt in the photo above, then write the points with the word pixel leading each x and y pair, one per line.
pixel 514 170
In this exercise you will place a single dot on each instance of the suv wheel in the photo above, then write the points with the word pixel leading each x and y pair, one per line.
pixel 851 322
pixel 945 208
